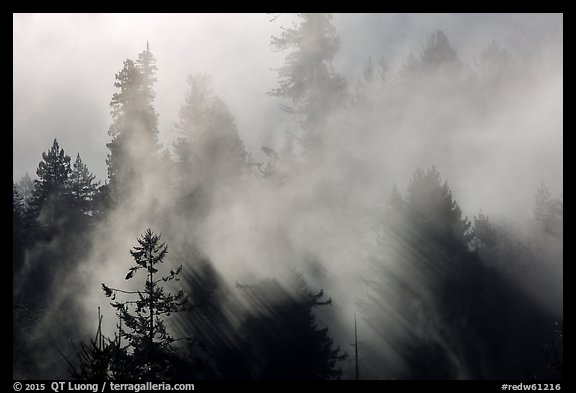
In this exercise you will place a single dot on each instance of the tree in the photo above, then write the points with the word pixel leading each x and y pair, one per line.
pixel 420 278
pixel 307 80
pixel 50 197
pixel 102 359
pixel 142 320
pixel 18 216
pixel 433 210
pixel 17 205
pixel 548 212
pixel 134 128
pixel 25 188
pixel 370 71
pixel 208 142
pixel 281 338
pixel 494 63
pixel 451 312
pixel 438 239
pixel 215 332
pixel 83 189
pixel 437 56
pixel 484 233
pixel 554 349
pixel 374 89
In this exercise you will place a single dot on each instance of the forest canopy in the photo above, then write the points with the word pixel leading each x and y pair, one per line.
pixel 408 203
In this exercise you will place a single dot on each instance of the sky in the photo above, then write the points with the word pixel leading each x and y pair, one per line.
pixel 64 67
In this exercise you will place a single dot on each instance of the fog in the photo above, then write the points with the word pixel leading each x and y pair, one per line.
pixel 494 132
pixel 64 66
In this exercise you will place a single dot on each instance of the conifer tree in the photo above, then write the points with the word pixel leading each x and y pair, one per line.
pixel 142 318
pixel 307 80
pixel 208 145
pixel 82 188
pixel 281 336
pixel 25 187
pixel 18 216
pixel 134 130
pixel 49 200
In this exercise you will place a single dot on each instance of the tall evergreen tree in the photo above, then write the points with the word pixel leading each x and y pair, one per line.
pixel 17 205
pixel 208 145
pixel 214 331
pixel 18 233
pixel 49 200
pixel 484 232
pixel 83 189
pixel 548 212
pixel 423 267
pixel 142 320
pixel 307 80
pixel 25 187
pixel 102 359
pixel 437 300
pixel 281 336
pixel 437 56
pixel 494 63
pixel 134 128
pixel 432 209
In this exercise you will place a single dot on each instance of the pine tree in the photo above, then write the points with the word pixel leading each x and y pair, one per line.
pixel 307 80
pixel 25 187
pixel 193 118
pixel 208 144
pixel 142 320
pixel 18 230
pixel 446 308
pixel 437 56
pixel 135 125
pixel 49 200
pixel 281 337
pixel 548 212
pixel 373 89
pixel 101 359
pixel 17 205
pixel 215 333
pixel 82 188
pixel 434 211
pixel 421 280
pixel 484 233
pixel 494 62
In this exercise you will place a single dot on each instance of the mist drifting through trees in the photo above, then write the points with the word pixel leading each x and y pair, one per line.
pixel 239 197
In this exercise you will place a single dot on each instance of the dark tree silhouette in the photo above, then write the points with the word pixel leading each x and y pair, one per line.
pixel 485 241
pixel 281 339
pixel 50 198
pixel 55 239
pixel 101 359
pixel 554 349
pixel 212 323
pixel 432 209
pixel 142 320
pixel 450 311
pixel 18 230
pixel 427 236
pixel 83 189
